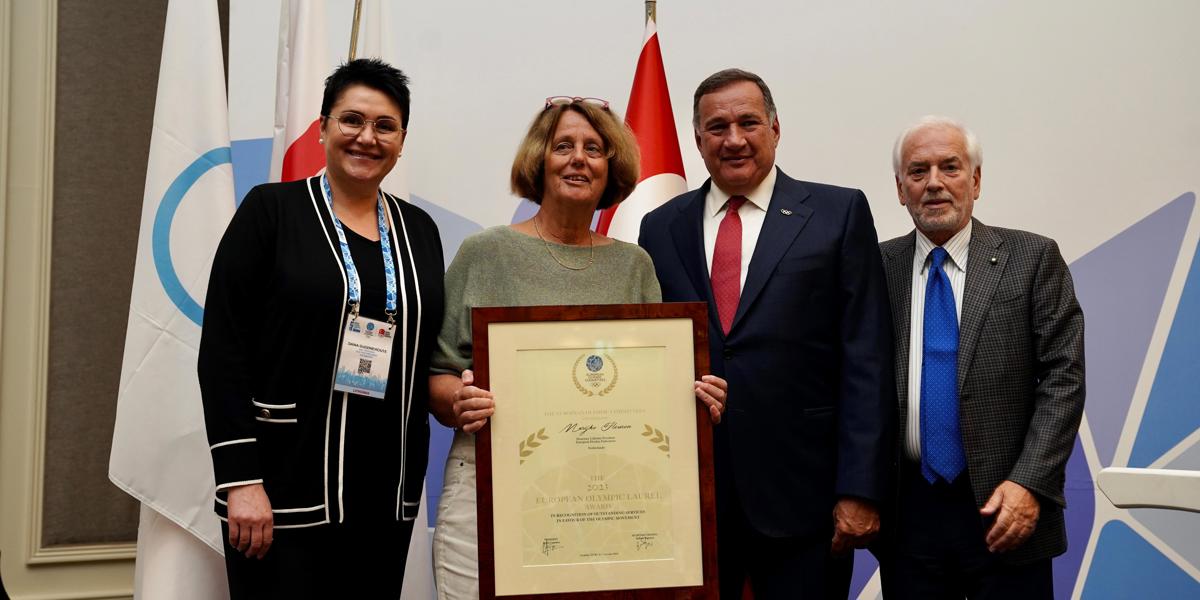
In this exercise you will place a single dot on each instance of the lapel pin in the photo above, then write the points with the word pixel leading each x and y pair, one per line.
pixel 786 212
pixel 993 260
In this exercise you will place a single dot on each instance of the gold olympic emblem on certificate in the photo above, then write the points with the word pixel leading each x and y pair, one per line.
pixel 594 374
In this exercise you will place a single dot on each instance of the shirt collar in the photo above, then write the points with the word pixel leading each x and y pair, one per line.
pixel 760 196
pixel 956 247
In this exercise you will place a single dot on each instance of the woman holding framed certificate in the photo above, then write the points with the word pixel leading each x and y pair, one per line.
pixel 576 158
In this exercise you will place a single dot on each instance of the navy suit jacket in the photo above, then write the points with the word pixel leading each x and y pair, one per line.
pixel 808 357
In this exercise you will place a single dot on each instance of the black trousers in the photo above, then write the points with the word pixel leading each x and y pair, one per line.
pixel 795 568
pixel 935 549
pixel 325 561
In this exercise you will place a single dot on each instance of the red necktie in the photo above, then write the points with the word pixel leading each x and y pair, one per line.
pixel 727 263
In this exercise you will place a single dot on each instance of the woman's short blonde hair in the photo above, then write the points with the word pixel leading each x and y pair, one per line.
pixel 529 166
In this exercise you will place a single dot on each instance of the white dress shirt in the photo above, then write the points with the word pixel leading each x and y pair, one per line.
pixel 955 267
pixel 752 213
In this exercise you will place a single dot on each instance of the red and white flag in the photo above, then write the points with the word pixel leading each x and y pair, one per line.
pixel 649 116
pixel 300 82
pixel 375 41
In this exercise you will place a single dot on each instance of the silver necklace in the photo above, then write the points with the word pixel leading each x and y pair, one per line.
pixel 591 249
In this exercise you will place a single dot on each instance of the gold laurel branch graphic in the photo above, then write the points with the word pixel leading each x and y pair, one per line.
pixel 527 444
pixel 658 438
pixel 612 384
pixel 575 379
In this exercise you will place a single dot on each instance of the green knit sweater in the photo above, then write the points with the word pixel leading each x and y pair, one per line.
pixel 503 267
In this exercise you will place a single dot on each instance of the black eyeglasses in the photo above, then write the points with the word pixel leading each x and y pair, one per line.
pixel 351 124
pixel 564 100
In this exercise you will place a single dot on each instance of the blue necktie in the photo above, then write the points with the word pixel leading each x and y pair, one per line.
pixel 941 442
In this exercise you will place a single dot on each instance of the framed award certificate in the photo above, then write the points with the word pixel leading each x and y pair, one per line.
pixel 595 476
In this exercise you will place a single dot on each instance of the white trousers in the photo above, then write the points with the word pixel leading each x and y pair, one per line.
pixel 455 536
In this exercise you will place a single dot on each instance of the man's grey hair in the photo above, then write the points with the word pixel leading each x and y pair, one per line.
pixel 727 77
pixel 974 150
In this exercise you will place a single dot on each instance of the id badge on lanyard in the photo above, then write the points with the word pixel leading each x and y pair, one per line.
pixel 366 352
pixel 364 357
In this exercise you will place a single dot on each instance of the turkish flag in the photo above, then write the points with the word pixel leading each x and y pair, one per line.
pixel 649 116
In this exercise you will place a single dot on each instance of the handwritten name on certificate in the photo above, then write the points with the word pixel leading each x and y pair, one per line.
pixel 594 459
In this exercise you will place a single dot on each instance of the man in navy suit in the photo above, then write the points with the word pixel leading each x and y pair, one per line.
pixel 800 328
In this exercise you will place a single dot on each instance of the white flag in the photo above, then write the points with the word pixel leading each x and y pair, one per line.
pixel 160 449
pixel 375 41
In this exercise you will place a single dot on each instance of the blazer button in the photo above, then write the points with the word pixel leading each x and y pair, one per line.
pixel 727 354
pixel 264 413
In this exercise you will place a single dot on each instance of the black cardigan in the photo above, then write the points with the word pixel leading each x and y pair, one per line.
pixel 273 319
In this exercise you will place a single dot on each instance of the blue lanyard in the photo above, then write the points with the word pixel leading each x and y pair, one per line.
pixel 389 268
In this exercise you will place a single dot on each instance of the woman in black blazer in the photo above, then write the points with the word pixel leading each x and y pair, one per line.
pixel 309 466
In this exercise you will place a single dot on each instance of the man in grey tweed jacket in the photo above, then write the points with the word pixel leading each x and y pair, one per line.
pixel 992 529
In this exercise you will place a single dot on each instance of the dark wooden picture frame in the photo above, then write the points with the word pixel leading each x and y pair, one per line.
pixel 697 312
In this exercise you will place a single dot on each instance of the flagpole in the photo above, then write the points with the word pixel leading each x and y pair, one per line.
pixel 354 28
pixel 652 10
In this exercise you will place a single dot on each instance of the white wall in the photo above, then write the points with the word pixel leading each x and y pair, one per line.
pixel 1086 110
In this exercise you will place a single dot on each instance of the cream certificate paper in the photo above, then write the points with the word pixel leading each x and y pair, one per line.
pixel 595 482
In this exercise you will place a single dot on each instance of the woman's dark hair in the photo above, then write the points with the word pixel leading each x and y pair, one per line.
pixel 373 73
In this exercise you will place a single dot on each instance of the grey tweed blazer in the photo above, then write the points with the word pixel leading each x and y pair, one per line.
pixel 1020 368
